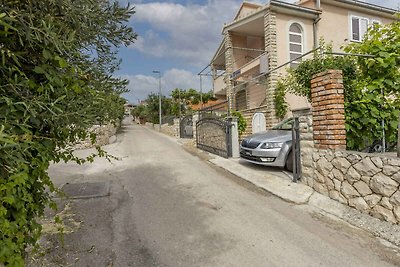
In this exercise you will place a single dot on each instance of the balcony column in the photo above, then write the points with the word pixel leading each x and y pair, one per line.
pixel 229 68
pixel 272 53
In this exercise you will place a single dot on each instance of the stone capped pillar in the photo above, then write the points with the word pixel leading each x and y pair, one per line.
pixel 272 53
pixel 306 144
pixel 234 137
pixel 229 69
pixel 327 95
pixel 195 119
pixel 176 127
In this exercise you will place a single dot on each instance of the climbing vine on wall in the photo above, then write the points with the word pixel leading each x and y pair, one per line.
pixel 281 107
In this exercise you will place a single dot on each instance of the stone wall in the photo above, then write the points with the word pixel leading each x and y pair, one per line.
pixel 106 134
pixel 369 183
pixel 171 130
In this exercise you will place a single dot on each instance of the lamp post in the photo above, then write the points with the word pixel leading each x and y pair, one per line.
pixel 159 98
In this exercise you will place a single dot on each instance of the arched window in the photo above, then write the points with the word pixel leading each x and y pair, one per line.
pixel 295 43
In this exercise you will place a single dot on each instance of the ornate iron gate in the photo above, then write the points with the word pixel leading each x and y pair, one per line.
pixel 213 135
pixel 186 127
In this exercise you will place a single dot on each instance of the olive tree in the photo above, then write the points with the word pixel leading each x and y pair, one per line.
pixel 56 64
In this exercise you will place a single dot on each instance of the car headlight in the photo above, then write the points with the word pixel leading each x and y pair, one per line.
pixel 270 145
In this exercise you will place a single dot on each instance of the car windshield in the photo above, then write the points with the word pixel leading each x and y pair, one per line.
pixel 284 125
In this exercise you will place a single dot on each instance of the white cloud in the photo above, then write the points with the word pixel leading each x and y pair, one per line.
pixel 190 32
pixel 141 86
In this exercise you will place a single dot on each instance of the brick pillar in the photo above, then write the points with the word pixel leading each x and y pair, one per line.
pixel 327 96
pixel 272 53
pixel 229 68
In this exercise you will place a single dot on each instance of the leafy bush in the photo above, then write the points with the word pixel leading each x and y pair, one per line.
pixel 281 106
pixel 371 84
pixel 298 80
pixel 376 95
pixel 57 58
pixel 242 124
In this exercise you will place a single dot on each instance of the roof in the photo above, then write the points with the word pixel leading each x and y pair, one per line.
pixel 210 103
pixel 248 4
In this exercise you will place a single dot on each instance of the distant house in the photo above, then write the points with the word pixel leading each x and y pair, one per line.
pixel 217 107
pixel 128 108
pixel 261 38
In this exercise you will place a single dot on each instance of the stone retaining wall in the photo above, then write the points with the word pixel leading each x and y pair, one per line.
pixel 369 183
pixel 366 182
pixel 171 130
pixel 105 134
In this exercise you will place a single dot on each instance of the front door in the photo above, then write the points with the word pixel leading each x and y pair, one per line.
pixel 258 123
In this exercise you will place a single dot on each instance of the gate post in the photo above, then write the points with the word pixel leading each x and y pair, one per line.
pixel 195 119
pixel 177 127
pixel 233 138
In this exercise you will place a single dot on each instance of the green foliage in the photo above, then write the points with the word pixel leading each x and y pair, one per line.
pixel 177 105
pixel 377 91
pixel 281 106
pixel 140 112
pixel 191 96
pixel 298 80
pixel 242 124
pixel 371 83
pixel 57 58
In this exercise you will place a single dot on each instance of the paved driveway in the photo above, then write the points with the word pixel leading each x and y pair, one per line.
pixel 167 207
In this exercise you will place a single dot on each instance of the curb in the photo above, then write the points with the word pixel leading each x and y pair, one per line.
pixel 301 194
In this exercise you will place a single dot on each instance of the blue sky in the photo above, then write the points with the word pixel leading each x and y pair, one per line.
pixel 179 39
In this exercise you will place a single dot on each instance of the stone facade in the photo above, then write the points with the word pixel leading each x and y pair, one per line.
pixel 272 53
pixel 229 69
pixel 248 115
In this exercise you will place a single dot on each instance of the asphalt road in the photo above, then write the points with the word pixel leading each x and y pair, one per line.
pixel 168 207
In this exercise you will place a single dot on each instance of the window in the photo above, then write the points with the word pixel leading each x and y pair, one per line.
pixel 295 43
pixel 359 27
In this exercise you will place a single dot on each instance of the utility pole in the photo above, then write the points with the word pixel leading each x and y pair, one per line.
pixel 159 98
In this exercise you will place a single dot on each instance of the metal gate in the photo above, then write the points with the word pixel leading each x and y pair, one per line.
pixel 296 153
pixel 213 135
pixel 186 127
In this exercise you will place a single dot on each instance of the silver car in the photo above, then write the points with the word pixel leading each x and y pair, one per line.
pixel 270 148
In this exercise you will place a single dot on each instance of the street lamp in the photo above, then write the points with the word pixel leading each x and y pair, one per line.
pixel 159 98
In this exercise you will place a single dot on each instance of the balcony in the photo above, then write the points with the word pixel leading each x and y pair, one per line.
pixel 219 85
pixel 254 67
